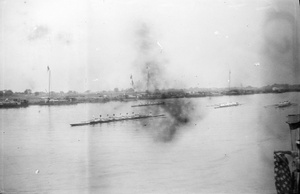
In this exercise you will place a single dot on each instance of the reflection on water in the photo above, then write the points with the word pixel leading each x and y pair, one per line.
pixel 195 149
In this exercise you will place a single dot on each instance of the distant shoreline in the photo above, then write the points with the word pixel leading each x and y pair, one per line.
pixel 58 99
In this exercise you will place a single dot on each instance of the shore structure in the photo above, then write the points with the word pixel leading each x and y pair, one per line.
pixel 73 97
pixel 50 102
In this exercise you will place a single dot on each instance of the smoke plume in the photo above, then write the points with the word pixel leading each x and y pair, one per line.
pixel 151 64
pixel 150 61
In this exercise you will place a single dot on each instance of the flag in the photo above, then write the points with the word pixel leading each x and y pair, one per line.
pixel 283 177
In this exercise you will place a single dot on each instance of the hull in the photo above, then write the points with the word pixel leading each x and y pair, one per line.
pixel 51 103
pixel 13 104
pixel 97 121
pixel 227 105
pixel 148 104
pixel 285 104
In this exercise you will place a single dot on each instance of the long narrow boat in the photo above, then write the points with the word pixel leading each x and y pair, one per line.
pixel 228 104
pixel 283 104
pixel 113 119
pixel 149 104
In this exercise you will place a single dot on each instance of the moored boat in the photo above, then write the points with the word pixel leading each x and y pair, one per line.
pixel 13 103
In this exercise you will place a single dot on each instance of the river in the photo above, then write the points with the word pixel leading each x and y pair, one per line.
pixel 198 149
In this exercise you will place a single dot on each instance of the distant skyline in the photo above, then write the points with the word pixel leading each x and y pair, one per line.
pixel 279 85
pixel 99 44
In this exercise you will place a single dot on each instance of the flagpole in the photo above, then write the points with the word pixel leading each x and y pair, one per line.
pixel 229 79
pixel 148 79
pixel 49 83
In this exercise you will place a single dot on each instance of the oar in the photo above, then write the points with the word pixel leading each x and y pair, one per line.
pixel 212 105
pixel 270 105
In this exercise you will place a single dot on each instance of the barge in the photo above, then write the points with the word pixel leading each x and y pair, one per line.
pixel 16 103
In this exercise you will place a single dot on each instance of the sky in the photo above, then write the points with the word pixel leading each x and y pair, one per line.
pixel 99 44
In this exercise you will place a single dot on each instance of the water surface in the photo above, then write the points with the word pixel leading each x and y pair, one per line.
pixel 228 150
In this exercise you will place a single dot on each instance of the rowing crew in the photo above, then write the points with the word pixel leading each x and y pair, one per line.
pixel 121 117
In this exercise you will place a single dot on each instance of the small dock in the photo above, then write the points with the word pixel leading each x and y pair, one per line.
pixel 114 119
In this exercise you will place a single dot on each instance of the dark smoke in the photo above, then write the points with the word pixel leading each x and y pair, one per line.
pixel 150 61
pixel 179 115
pixel 281 46
pixel 151 64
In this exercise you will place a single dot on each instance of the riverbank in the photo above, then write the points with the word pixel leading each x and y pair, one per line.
pixel 66 99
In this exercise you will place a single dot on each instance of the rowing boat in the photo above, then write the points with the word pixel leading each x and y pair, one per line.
pixel 149 104
pixel 228 104
pixel 113 119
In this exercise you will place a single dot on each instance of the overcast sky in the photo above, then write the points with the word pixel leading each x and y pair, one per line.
pixel 98 44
